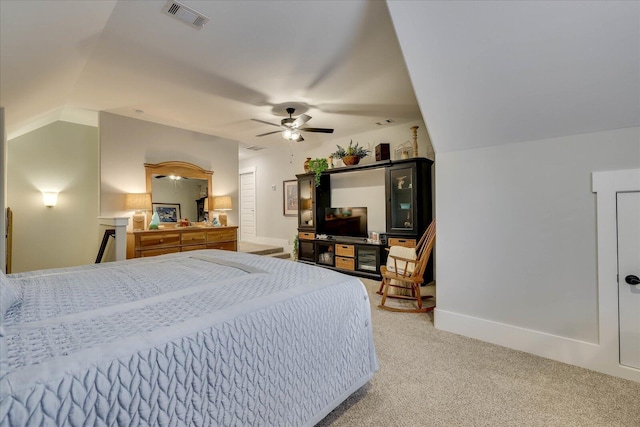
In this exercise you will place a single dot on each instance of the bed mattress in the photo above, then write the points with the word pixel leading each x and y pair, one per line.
pixel 202 338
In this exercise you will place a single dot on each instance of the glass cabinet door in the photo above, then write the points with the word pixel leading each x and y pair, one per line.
pixel 306 203
pixel 306 250
pixel 367 258
pixel 402 199
pixel 324 252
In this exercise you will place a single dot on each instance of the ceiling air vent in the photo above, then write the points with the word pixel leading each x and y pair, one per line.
pixel 254 148
pixel 185 14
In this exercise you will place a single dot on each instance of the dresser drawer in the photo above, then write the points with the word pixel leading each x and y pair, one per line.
pixel 194 237
pixel 159 240
pixel 306 236
pixel 345 250
pixel 221 236
pixel 194 247
pixel 345 263
pixel 226 246
pixel 407 243
pixel 155 252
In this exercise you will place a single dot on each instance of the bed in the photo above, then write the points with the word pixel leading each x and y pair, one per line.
pixel 201 338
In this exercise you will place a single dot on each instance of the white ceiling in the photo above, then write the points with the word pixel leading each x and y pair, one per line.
pixel 497 72
pixel 339 61
pixel 485 73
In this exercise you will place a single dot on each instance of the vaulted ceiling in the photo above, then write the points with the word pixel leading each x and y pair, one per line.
pixel 485 73
pixel 498 72
pixel 338 62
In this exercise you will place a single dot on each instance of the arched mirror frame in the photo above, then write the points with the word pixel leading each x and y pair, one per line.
pixel 183 169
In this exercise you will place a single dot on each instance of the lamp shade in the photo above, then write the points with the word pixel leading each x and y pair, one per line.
pixel 138 202
pixel 50 198
pixel 206 204
pixel 222 203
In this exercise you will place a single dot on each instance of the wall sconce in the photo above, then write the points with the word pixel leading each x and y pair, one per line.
pixel 49 198
pixel 222 203
pixel 138 202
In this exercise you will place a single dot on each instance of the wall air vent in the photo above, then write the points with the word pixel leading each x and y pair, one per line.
pixel 185 14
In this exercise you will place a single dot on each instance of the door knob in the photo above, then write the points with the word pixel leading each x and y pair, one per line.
pixel 632 280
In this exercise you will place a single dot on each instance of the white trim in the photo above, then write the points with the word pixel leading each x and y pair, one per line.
pixel 607 185
pixel 250 169
pixel 580 353
pixel 65 114
pixel 601 356
pixel 120 225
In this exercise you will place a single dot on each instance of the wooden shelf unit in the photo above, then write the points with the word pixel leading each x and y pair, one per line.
pixel 408 213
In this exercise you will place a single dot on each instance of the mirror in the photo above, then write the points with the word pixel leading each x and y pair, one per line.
pixel 189 191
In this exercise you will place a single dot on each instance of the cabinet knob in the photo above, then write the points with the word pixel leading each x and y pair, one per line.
pixel 161 240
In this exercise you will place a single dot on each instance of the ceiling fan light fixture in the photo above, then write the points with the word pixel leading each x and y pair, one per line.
pixel 295 135
pixel 286 134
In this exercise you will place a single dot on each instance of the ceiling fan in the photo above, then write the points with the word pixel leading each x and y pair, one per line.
pixel 291 127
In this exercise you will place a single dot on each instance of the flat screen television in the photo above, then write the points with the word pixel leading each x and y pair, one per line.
pixel 345 221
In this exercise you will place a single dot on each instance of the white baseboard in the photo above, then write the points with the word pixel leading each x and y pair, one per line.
pixel 574 352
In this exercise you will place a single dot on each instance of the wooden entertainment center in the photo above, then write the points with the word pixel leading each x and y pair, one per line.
pixel 408 214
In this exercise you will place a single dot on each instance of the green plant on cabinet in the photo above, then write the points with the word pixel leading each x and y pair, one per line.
pixel 317 166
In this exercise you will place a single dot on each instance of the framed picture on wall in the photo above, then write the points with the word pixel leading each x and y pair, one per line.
pixel 168 212
pixel 290 197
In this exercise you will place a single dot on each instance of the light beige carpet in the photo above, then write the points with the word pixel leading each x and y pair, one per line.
pixel 430 377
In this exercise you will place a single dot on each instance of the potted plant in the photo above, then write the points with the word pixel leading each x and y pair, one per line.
pixel 295 248
pixel 318 166
pixel 352 154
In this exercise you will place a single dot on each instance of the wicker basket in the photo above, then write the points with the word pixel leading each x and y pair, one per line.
pixel 350 160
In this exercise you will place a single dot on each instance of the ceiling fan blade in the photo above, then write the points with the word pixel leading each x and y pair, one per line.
pixel 266 123
pixel 300 139
pixel 321 130
pixel 302 119
pixel 269 133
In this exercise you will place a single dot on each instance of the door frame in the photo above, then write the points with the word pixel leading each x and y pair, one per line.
pixel 606 185
pixel 244 171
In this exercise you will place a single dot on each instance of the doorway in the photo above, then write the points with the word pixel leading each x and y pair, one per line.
pixel 247 204
pixel 618 243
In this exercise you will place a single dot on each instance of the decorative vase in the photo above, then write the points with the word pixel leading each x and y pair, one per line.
pixel 350 160
pixel 155 221
pixel 306 165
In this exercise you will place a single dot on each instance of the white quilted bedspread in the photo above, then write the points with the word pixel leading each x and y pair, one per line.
pixel 203 338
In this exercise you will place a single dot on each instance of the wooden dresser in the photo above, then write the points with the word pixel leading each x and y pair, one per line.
pixel 158 242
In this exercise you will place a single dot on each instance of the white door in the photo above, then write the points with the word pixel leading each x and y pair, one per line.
pixel 247 205
pixel 628 212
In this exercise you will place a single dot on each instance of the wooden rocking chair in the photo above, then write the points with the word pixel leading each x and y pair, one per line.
pixel 408 274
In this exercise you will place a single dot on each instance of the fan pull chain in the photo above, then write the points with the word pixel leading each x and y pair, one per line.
pixel 291 152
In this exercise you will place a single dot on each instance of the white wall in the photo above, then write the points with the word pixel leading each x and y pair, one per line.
pixel 362 189
pixel 517 239
pixel 59 157
pixel 3 192
pixel 274 167
pixel 127 144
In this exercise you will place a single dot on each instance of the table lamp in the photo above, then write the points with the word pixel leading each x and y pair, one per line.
pixel 222 203
pixel 138 202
